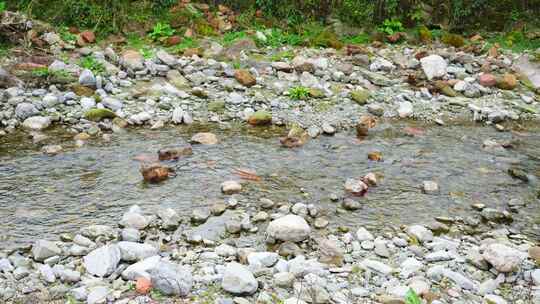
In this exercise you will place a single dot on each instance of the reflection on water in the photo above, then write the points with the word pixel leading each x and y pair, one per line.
pixel 41 196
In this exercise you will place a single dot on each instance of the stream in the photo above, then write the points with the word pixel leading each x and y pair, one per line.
pixel 42 196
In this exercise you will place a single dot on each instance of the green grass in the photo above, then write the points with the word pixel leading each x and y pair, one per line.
pixel 299 93
pixel 230 37
pixel 358 39
pixel 515 41
pixel 4 49
pixel 92 64
pixel 279 56
pixel 187 43
pixel 66 35
pixel 412 298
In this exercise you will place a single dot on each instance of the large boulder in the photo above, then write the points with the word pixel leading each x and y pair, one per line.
pixel 171 279
pixel 289 228
pixel 434 66
pixel 102 261
pixel 141 269
pixel 238 280
pixel 503 258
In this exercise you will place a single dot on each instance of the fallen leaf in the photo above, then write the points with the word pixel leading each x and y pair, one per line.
pixel 247 174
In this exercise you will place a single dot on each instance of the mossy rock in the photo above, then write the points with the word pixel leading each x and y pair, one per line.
pixel 360 96
pixel 453 40
pixel 203 28
pixel 260 118
pixel 81 90
pixel 99 114
pixel 216 107
pixel 316 93
pixel 424 34
pixel 327 39
pixel 445 89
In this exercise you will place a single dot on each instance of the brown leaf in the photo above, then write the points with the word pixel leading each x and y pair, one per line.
pixel 247 174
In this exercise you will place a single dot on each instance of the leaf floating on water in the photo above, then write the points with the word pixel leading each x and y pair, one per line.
pixel 146 158
pixel 247 174
pixel 411 131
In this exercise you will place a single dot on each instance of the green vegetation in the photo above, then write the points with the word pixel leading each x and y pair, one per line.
pixel 2 6
pixel 161 31
pixel 299 93
pixel 66 35
pixel 230 37
pixel 516 41
pixel 187 43
pixel 412 298
pixel 357 39
pixel 391 26
pixel 279 56
pixel 42 72
pixel 454 40
pixel 99 114
pixel 92 64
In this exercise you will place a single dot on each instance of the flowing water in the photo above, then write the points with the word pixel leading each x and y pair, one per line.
pixel 42 196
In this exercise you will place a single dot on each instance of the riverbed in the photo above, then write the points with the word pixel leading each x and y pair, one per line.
pixel 42 196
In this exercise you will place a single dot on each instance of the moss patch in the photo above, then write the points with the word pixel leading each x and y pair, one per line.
pixel 360 96
pixel 99 114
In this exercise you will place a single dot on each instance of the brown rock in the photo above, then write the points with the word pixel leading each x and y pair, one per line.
pixel 375 156
pixel 175 153
pixel 363 126
pixel 155 173
pixel 88 36
pixel 534 253
pixel 193 51
pixel 82 136
pixel 173 40
pixel 245 78
pixel 81 90
pixel 507 82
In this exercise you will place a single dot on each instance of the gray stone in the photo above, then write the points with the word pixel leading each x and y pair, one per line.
pixel 112 103
pixel 169 217
pixel 238 280
pixel 87 78
pixel 130 235
pixel 284 279
pixel 98 295
pixel 102 261
pixel 47 273
pixel 132 252
pixel 264 259
pixel 95 231
pixel 171 279
pixel 420 233
pixel 5 266
pixel 140 269
pixel 503 258
pixel 376 266
pixel 25 110
pixel 43 249
pixel 166 58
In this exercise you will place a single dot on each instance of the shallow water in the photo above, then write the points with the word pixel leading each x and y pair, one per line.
pixel 42 196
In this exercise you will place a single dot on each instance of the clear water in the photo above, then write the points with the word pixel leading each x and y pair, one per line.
pixel 42 196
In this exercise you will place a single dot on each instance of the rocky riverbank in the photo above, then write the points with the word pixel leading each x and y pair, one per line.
pixel 93 89
pixel 279 253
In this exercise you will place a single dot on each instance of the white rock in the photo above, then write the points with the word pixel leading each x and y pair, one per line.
pixel 289 228
pixel 237 279
pixel 140 269
pixel 376 266
pixel 131 251
pixel 362 234
pixel 42 250
pixel 434 66
pixel 102 261
pixel 264 259
pixel 36 123
pixel 503 258
pixel 421 233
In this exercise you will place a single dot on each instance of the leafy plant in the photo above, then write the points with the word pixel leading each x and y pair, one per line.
pixel 230 37
pixel 358 39
pixel 299 93
pixel 92 64
pixel 66 35
pixel 279 56
pixel 412 298
pixel 2 6
pixel 187 43
pixel 42 72
pixel 161 31
pixel 391 26
pixel 147 52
